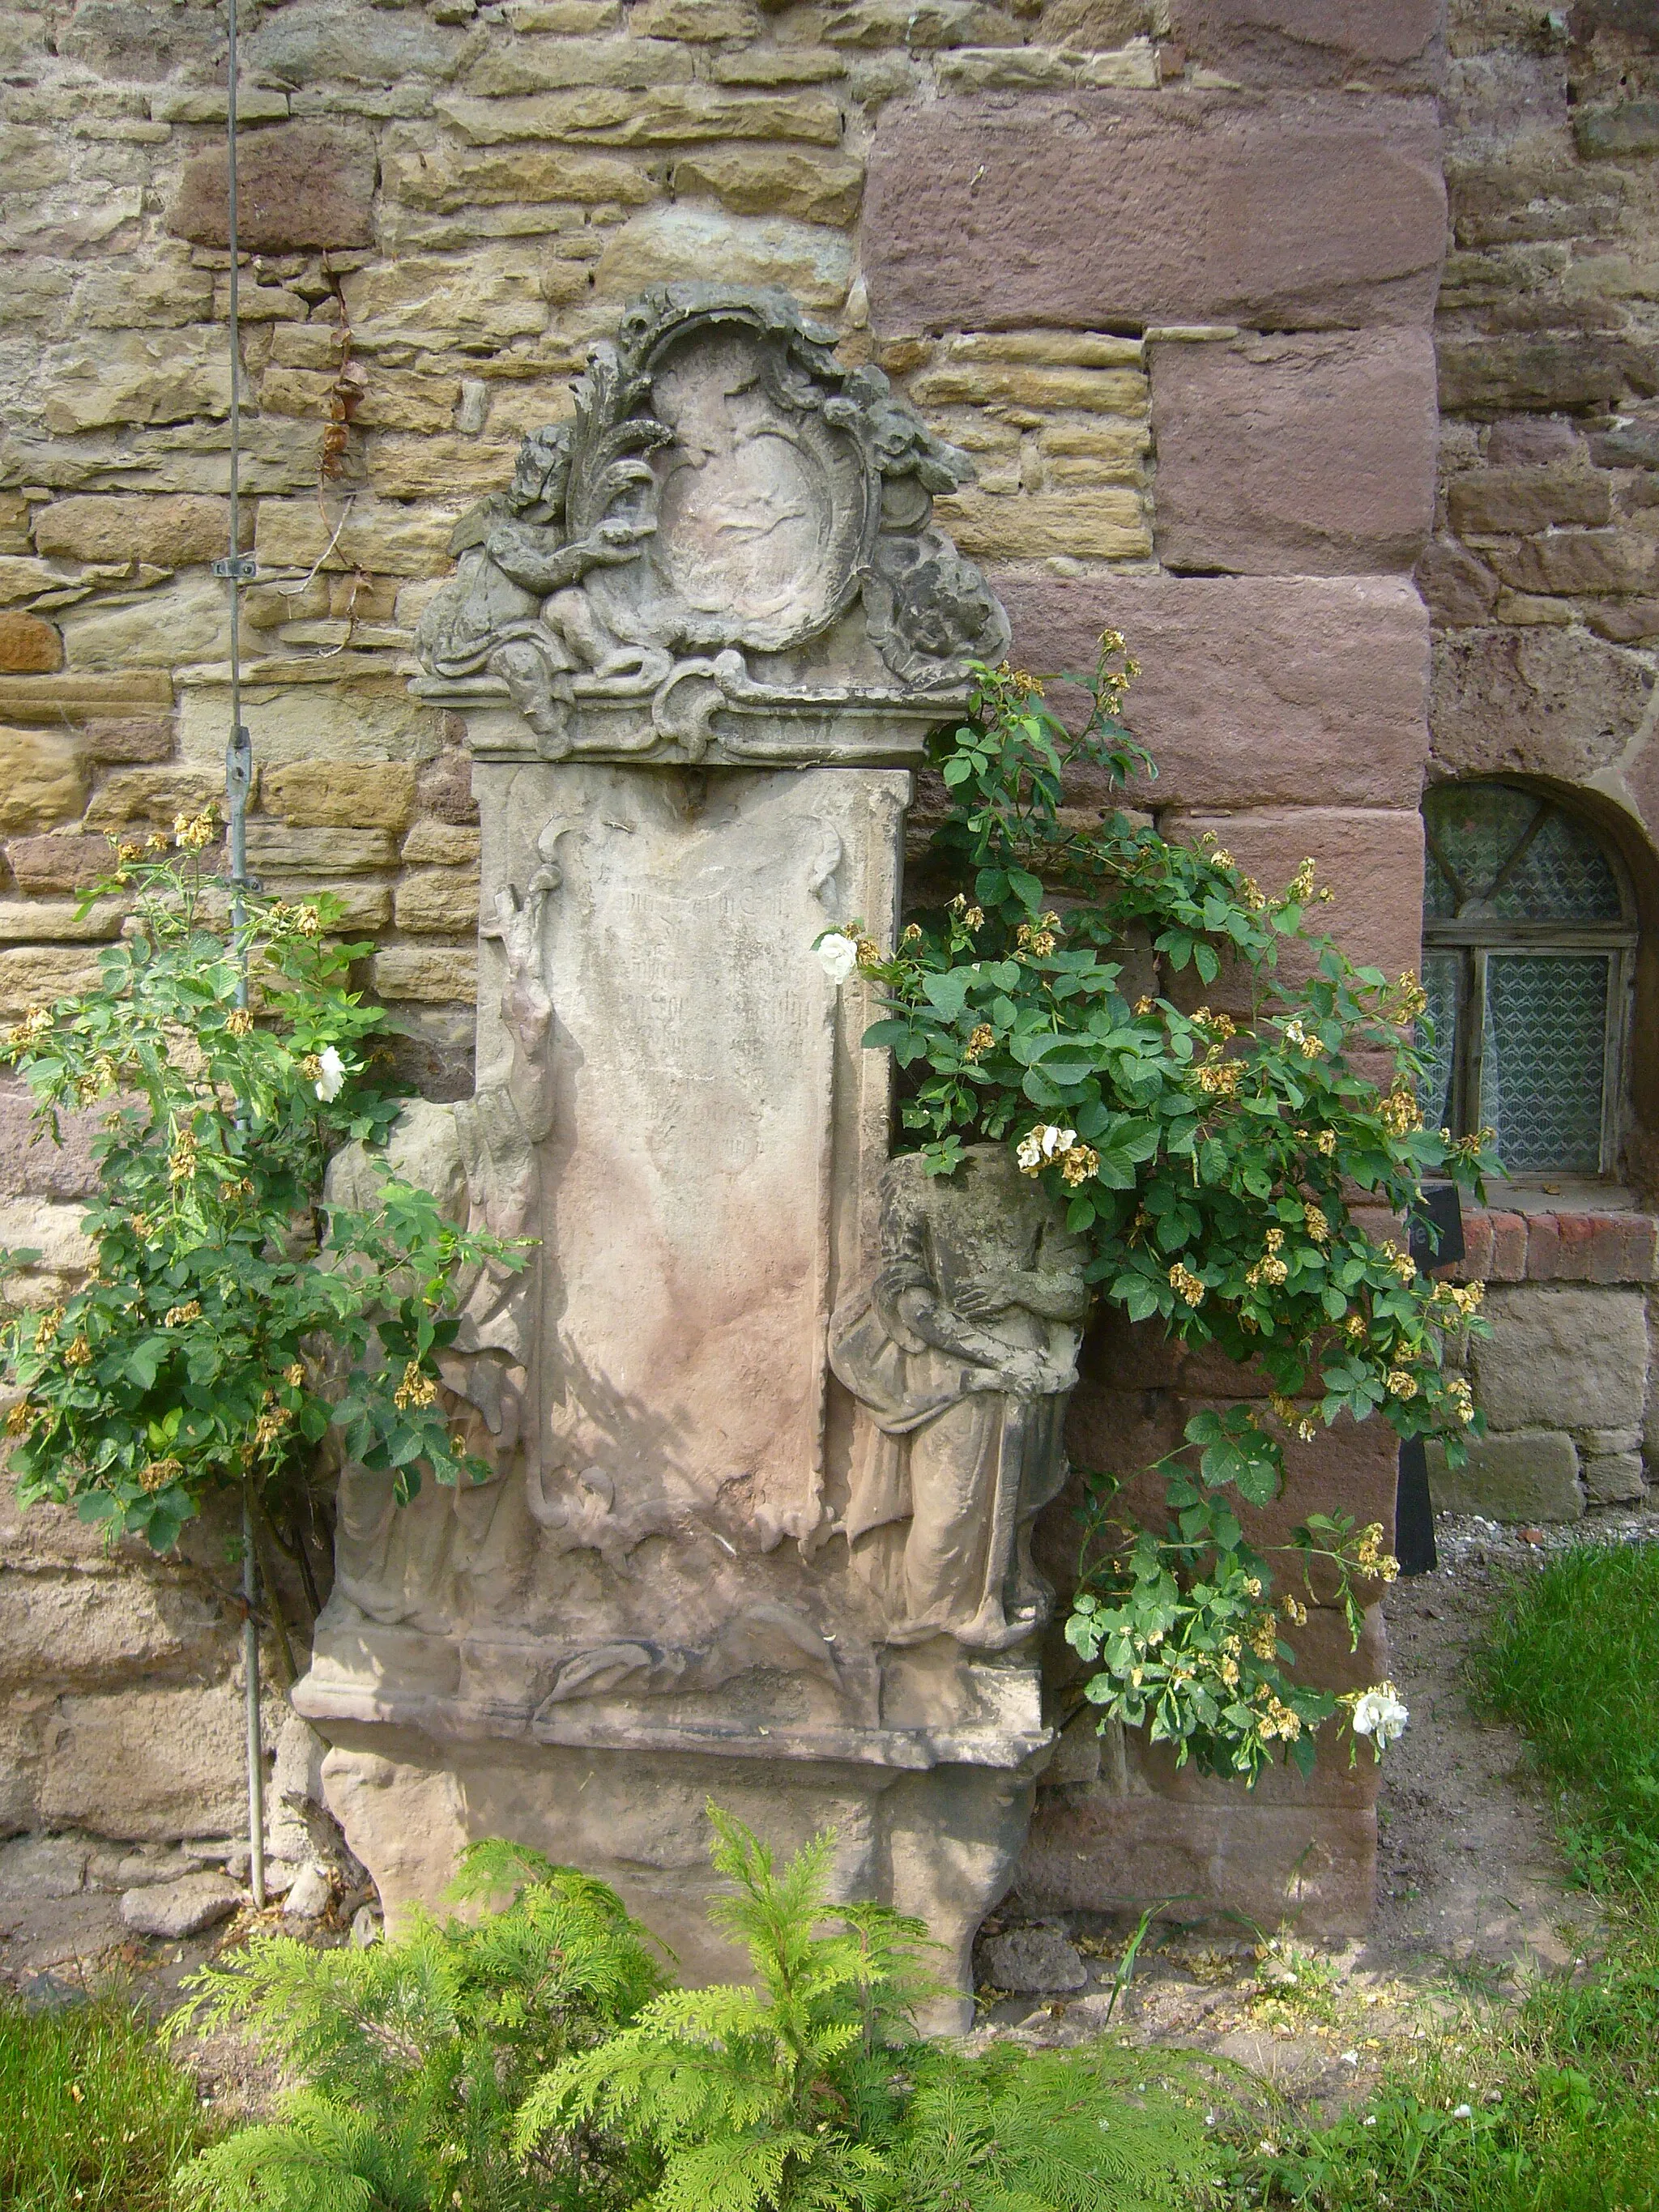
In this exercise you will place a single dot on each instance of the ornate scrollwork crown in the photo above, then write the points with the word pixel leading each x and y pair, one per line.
pixel 732 526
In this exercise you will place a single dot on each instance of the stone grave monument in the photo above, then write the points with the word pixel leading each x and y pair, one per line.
pixel 768 1414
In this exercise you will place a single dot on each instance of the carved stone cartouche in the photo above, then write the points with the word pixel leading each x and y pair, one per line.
pixel 727 498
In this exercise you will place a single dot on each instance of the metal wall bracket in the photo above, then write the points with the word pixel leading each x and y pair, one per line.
pixel 239 568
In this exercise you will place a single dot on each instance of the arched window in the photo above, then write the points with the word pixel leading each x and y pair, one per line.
pixel 1528 936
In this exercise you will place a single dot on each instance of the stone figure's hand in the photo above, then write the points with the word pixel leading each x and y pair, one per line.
pixel 526 1006
pixel 982 1298
pixel 891 1283
pixel 1024 1374
pixel 619 539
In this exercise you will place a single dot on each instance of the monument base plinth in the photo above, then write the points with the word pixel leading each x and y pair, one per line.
pixel 941 1843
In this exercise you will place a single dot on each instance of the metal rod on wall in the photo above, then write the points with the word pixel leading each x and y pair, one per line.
pixel 236 570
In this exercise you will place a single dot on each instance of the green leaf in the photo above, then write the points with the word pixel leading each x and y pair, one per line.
pixel 947 990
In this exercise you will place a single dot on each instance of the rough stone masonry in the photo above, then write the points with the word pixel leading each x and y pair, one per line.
pixel 1167 270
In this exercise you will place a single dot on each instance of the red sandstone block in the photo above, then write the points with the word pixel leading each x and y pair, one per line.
pixel 1296 456
pixel 1253 691
pixel 301 184
pixel 1396 43
pixel 1313 1867
pixel 1086 209
pixel 1370 858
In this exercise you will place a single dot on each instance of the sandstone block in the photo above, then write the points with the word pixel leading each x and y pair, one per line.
pixel 556 65
pixel 277 849
pixel 1397 44
pixel 446 786
pixel 1031 1961
pixel 1605 133
pixel 962 380
pixel 42 1866
pixel 935 24
pixel 170 532
pixel 657 247
pixel 42 1168
pixel 42 780
pixel 701 21
pixel 124 296
pixel 1566 1357
pixel 1579 560
pixel 1371 858
pixel 38 975
pixel 1253 692
pixel 447 176
pixel 173 1909
pixel 1314 1866
pixel 185 620
pixel 444 842
pixel 86 1632
pixel 1295 455
pixel 1522 500
pixel 157 795
pixel 1632 446
pixel 786 180
pixel 1614 1478
pixel 1458 589
pixel 1529 1476
pixel 488 296
pixel 1109 524
pixel 667 115
pixel 28 647
pixel 51 1229
pixel 982 215
pixel 1048 69
pixel 433 975
pixel 113 377
pixel 328 794
pixel 1540 701
pixel 1489 375
pixel 767 65
pixel 386 537
pixel 147 1764
pixel 65 862
pixel 440 902
pixel 321 42
pixel 299 185
pixel 1624 622
pixel 369 718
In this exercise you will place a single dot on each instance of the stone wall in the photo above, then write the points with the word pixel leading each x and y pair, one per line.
pixel 1542 581
pixel 1079 234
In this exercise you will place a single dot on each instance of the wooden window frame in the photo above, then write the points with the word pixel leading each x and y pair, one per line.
pixel 1477 940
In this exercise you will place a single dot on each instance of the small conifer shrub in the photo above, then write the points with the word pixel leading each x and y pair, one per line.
pixel 536 2056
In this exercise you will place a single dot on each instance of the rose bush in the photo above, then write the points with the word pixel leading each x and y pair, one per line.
pixel 1212 1160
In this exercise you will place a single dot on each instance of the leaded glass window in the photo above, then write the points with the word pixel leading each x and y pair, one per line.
pixel 1527 942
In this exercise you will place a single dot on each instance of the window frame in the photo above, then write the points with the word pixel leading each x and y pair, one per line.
pixel 1475 941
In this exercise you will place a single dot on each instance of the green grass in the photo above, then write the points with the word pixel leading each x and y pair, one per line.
pixel 93 2117
pixel 1574 1659
pixel 1553 2106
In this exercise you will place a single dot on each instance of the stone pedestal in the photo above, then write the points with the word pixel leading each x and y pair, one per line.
pixel 697 648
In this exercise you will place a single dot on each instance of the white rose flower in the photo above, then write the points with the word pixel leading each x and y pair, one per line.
pixel 331 1082
pixel 838 957
pixel 1379 1713
pixel 1044 1143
